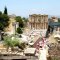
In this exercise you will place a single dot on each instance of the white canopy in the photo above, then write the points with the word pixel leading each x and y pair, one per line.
pixel 57 36
pixel 31 43
pixel 29 51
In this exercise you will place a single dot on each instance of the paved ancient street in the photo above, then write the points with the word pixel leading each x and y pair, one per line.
pixel 43 53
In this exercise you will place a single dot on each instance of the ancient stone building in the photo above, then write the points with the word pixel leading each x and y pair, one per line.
pixel 38 21
pixel 54 19
pixel 13 25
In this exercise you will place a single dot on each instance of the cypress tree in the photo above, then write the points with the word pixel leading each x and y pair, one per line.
pixel 5 10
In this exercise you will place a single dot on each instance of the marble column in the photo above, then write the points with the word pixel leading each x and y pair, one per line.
pixel 35 25
pixel 31 25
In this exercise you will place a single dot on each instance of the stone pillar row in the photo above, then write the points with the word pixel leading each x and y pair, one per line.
pixel 38 25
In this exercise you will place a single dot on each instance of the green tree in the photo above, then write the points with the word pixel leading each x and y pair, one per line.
pixel 9 42
pixel 19 19
pixel 5 10
pixel 58 19
pixel 4 21
pixel 25 21
pixel 19 30
pixel 0 13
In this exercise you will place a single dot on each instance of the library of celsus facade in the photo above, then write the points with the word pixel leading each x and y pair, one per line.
pixel 38 21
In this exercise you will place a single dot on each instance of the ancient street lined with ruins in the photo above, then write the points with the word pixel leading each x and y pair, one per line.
pixel 40 40
pixel 29 30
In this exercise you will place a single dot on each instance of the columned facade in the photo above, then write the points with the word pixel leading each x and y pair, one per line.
pixel 38 21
